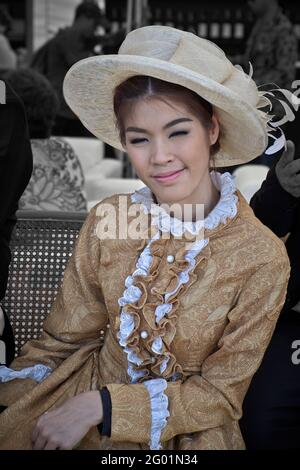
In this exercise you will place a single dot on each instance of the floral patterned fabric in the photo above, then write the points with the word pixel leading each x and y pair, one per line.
pixel 216 334
pixel 57 179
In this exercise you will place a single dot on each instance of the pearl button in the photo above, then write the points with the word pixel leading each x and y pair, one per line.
pixel 144 334
pixel 170 258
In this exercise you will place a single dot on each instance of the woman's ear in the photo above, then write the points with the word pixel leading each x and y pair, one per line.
pixel 214 130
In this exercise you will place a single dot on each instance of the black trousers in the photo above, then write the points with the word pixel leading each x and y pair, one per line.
pixel 271 409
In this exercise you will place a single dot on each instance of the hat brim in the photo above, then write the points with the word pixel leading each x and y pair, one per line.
pixel 89 89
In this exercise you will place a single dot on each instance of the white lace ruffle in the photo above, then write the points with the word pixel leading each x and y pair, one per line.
pixel 164 364
pixel 159 410
pixel 130 295
pixel 157 345
pixel 39 372
pixel 161 311
pixel 183 276
pixel 224 209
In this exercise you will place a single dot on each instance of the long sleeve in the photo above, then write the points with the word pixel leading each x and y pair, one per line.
pixel 78 313
pixel 77 316
pixel 215 397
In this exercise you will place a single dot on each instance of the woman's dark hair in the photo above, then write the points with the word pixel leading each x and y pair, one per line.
pixel 139 87
pixel 5 18
pixel 39 98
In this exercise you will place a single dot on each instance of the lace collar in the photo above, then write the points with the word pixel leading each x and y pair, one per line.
pixel 226 208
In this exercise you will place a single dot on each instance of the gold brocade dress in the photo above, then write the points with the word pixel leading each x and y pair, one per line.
pixel 188 317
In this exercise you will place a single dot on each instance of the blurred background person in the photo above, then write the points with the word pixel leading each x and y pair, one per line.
pixel 272 50
pixel 57 181
pixel 69 45
pixel 272 45
pixel 15 172
pixel 8 58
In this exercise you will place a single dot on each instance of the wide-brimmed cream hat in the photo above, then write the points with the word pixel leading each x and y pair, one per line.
pixel 185 59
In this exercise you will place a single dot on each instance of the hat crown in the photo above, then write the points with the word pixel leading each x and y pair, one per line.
pixel 179 47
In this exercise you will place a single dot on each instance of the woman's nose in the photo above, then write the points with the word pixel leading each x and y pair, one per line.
pixel 161 153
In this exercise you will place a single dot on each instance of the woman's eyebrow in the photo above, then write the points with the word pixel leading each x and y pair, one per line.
pixel 169 124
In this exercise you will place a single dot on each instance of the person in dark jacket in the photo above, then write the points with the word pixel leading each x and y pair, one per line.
pixel 69 45
pixel 271 410
pixel 15 172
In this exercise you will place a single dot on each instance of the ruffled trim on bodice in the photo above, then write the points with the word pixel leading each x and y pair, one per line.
pixel 152 357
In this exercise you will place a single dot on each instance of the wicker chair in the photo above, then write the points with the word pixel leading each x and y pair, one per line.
pixel 41 245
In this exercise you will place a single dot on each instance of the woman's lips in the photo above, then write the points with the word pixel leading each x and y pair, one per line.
pixel 169 177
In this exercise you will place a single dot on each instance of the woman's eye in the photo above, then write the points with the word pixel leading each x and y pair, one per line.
pixel 137 141
pixel 175 134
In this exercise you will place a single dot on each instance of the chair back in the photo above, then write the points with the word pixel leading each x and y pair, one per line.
pixel 88 149
pixel 41 245
pixel 100 189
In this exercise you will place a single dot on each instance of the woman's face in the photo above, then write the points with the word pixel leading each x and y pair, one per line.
pixel 170 150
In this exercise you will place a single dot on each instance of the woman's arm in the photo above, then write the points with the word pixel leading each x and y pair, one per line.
pixel 76 319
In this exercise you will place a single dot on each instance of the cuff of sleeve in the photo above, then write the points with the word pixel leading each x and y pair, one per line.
pixel 159 410
pixel 131 413
pixel 104 428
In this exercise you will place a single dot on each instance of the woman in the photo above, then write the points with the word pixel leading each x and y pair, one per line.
pixel 189 303
pixel 57 181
